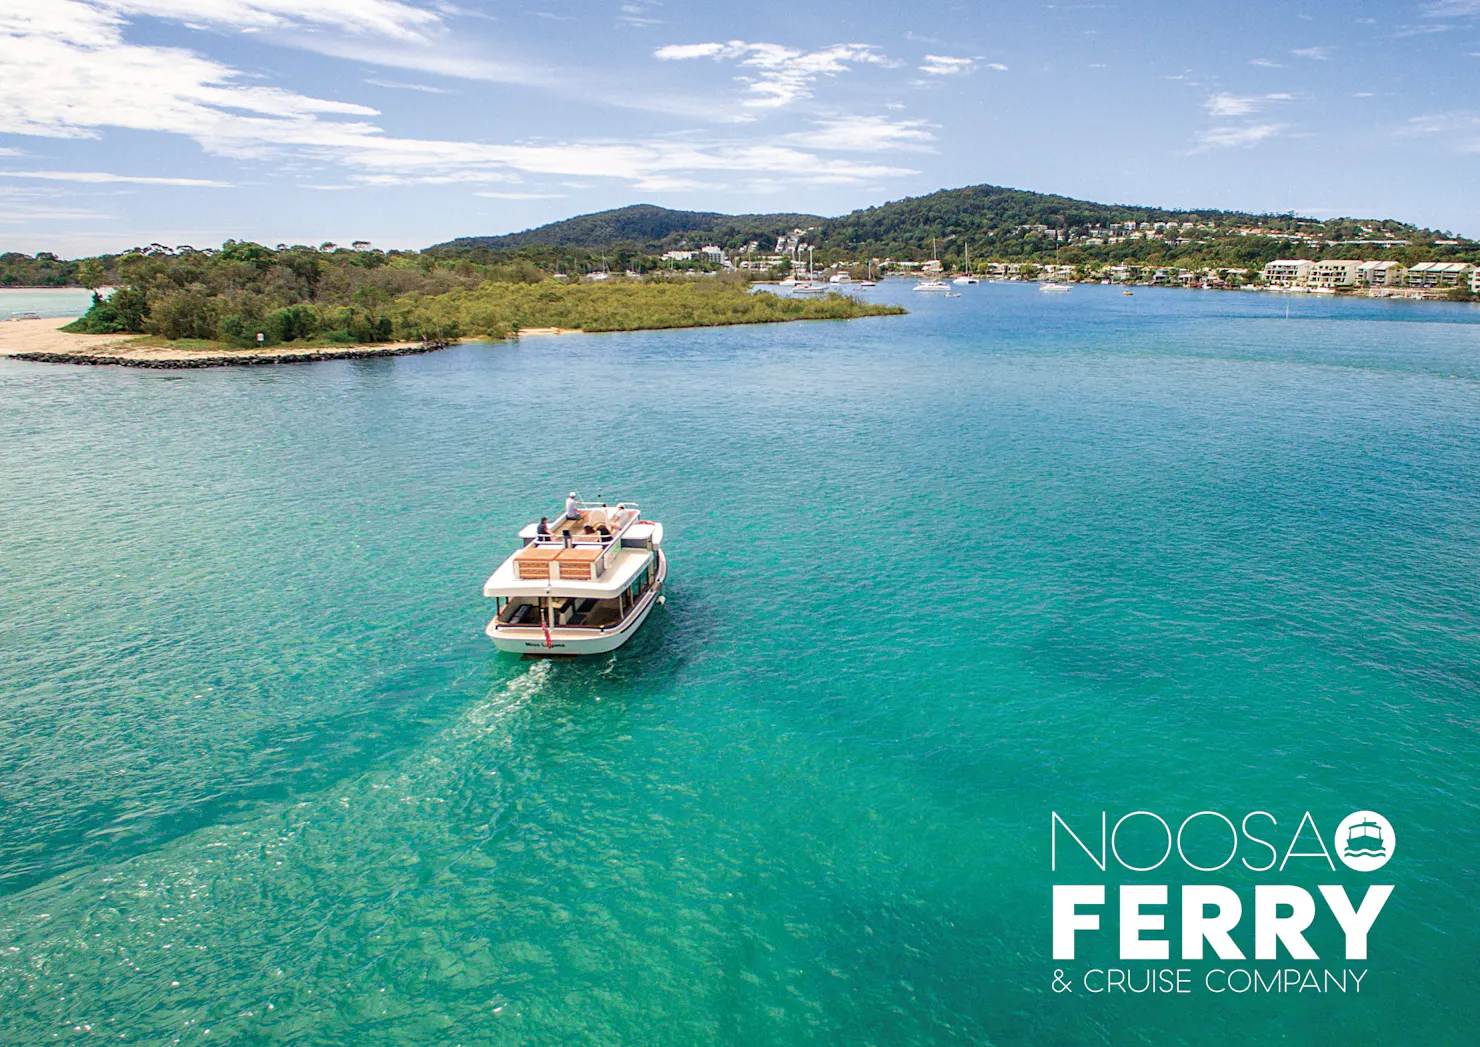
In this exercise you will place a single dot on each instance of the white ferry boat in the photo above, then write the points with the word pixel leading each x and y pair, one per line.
pixel 582 588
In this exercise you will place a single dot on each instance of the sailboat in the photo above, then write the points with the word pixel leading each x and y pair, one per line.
pixel 966 277
pixel 933 284
pixel 810 287
pixel 869 280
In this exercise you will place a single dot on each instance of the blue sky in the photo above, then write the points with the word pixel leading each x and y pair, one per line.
pixel 407 122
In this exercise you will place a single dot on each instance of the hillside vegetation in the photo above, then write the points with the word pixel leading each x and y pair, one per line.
pixel 643 226
pixel 997 223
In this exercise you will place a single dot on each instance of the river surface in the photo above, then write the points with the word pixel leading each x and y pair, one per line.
pixel 49 302
pixel 934 577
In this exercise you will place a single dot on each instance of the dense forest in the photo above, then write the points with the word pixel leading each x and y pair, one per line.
pixel 247 295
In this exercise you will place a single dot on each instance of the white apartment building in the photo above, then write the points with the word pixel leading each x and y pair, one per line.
pixel 1288 272
pixel 1334 272
pixel 1381 274
pixel 1438 274
pixel 712 253
pixel 1475 279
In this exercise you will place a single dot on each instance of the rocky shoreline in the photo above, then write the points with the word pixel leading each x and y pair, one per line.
pixel 246 358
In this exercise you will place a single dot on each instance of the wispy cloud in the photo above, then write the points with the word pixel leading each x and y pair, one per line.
pixel 1451 8
pixel 376 17
pixel 100 177
pixel 1235 137
pixel 67 72
pixel 1224 104
pixel 638 14
pixel 1266 63
pixel 397 85
pixel 945 65
pixel 1315 54
pixel 783 74
pixel 493 194
pixel 1459 128
pixel 865 134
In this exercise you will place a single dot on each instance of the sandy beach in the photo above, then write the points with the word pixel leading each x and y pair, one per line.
pixel 548 330
pixel 42 341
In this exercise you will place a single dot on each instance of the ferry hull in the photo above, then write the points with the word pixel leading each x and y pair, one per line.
pixel 566 642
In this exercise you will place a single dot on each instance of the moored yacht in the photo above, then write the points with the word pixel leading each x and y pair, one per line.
pixel 967 277
pixel 930 284
pixel 585 588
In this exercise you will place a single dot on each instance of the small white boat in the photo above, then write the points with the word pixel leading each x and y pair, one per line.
pixel 585 589
pixel 809 288
pixel 25 316
pixel 867 283
pixel 1053 288
pixel 840 278
pixel 953 294
pixel 931 286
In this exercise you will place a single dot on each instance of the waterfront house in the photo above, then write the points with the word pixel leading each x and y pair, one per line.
pixel 1438 274
pixel 1475 280
pixel 1288 272
pixel 1334 272
pixel 1381 274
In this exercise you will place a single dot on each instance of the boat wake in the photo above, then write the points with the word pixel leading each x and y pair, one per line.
pixel 507 698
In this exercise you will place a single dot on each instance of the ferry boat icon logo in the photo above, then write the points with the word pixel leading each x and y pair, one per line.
pixel 1364 841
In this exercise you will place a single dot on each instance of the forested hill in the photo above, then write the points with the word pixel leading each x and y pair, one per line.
pixel 644 226
pixel 994 220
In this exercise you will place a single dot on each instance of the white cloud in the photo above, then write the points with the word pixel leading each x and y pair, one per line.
pixel 99 177
pixel 1451 8
pixel 377 17
pixel 1224 104
pixel 397 85
pixel 945 65
pixel 1460 128
pixel 1266 63
pixel 1002 68
pixel 1315 54
pixel 784 74
pixel 521 196
pixel 1230 137
pixel 865 134
pixel 66 71
pixel 1232 105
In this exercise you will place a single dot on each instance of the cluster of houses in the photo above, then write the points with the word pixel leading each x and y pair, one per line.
pixel 1333 274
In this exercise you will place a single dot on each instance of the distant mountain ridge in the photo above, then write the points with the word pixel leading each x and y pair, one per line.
pixel 978 213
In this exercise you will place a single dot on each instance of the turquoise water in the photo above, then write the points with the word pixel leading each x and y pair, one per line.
pixel 263 780
pixel 48 301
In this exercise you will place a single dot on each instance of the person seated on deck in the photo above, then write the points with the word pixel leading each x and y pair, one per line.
pixel 588 531
pixel 543 530
pixel 572 507
pixel 602 530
